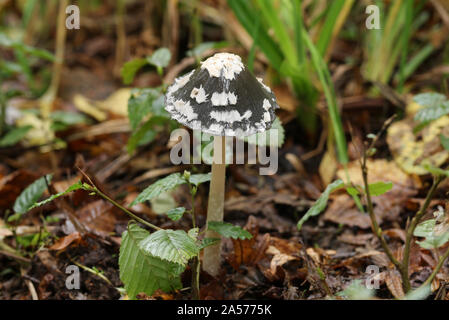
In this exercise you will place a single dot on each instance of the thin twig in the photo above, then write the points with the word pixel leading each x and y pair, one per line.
pixel 94 189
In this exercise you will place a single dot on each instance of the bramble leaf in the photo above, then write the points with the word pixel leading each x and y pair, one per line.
pixel 176 213
pixel 197 179
pixel 229 230
pixel 168 183
pixel 171 245
pixel 142 272
pixel 31 194
pixel 72 188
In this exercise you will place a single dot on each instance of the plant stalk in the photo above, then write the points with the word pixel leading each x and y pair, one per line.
pixel 415 221
pixel 378 231
pixel 215 209
pixel 128 212
pixel 437 268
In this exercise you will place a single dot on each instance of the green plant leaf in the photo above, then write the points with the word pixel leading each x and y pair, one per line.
pixel 165 184
pixel 425 229
pixel 176 213
pixel 208 242
pixel 31 194
pixel 434 235
pixel 354 193
pixel 434 105
pixel 171 245
pixel 68 118
pixel 229 230
pixel 379 188
pixel 321 203
pixel 73 187
pixel 130 68
pixel 356 291
pixel 435 170
pixel 444 141
pixel 139 105
pixel 142 272
pixel 421 293
pixel 197 179
pixel 14 136
pixel 163 203
pixel 160 58
pixel 203 47
pixel 435 241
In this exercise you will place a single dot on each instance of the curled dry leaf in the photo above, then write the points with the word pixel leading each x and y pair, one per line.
pixel 394 284
pixel 64 242
pixel 249 251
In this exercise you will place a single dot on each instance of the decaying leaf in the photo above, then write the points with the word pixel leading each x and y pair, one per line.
pixel 394 284
pixel 64 242
pixel 249 251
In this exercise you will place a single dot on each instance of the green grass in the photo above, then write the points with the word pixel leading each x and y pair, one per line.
pixel 278 30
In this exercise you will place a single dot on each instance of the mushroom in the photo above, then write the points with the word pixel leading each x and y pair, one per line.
pixel 222 98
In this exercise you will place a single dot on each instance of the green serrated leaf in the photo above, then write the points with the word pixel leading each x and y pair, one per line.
pixel 229 230
pixel 142 272
pixel 379 188
pixel 435 105
pixel 208 242
pixel 72 188
pixel 14 136
pixel 176 213
pixel 434 241
pixel 433 238
pixel 425 229
pixel 321 203
pixel 31 194
pixel 163 203
pixel 160 58
pixel 197 179
pixel 171 245
pixel 193 233
pixel 130 68
pixel 168 183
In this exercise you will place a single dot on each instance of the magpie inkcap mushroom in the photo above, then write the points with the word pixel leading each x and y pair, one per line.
pixel 222 98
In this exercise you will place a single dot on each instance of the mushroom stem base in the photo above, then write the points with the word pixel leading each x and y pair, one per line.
pixel 215 209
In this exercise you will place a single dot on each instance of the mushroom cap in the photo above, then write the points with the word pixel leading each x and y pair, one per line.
pixel 221 97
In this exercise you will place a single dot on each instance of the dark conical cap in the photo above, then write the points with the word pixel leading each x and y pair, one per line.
pixel 221 97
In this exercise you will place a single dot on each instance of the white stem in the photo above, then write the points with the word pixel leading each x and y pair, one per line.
pixel 215 209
